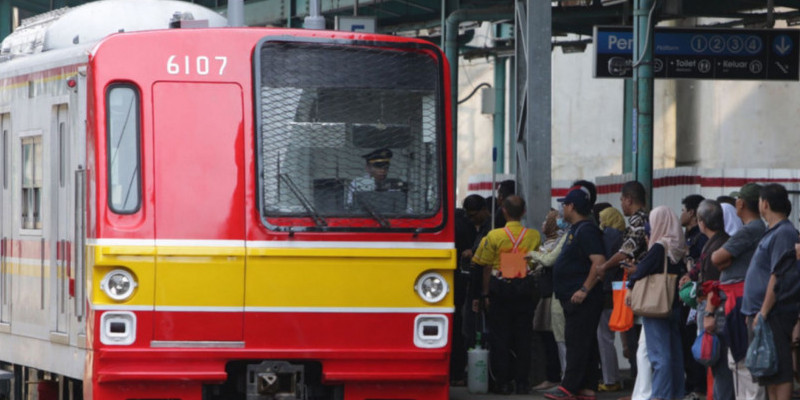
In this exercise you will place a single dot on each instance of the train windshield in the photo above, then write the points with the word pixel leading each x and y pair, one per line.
pixel 348 132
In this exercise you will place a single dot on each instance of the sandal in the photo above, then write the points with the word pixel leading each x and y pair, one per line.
pixel 545 386
pixel 559 393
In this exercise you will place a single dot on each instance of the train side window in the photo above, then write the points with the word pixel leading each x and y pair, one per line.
pixel 123 138
pixel 5 119
pixel 62 157
pixel 60 113
pixel 32 182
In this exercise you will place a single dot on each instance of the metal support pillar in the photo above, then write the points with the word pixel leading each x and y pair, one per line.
pixel 500 113
pixel 533 30
pixel 451 51
pixel 5 18
pixel 512 120
pixel 643 94
pixel 451 47
pixel 627 126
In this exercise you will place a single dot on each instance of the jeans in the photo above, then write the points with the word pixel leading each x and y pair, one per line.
pixel 664 348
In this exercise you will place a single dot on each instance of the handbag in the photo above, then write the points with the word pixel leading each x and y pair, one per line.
pixel 761 359
pixel 652 296
pixel 621 316
pixel 706 349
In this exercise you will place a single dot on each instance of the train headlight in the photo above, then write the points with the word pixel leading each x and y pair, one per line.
pixel 118 284
pixel 431 287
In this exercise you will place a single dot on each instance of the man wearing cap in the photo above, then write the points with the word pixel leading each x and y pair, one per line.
pixel 377 168
pixel 733 260
pixel 575 283
pixel 509 291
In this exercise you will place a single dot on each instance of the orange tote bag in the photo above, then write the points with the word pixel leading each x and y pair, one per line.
pixel 622 316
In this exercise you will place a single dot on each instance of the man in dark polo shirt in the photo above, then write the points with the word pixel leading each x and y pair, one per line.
pixel 576 286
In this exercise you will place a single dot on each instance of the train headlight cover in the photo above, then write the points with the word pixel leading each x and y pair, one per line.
pixel 431 287
pixel 118 284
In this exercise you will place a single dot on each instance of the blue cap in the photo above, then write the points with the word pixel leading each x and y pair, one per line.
pixel 579 198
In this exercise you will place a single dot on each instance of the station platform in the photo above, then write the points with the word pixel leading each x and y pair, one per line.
pixel 461 393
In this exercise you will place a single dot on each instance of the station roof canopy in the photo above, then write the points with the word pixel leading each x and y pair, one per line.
pixel 424 17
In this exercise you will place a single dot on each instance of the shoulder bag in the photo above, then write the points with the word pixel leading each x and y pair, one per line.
pixel 652 296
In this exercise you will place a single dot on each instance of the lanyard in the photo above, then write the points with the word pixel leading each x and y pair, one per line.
pixel 516 241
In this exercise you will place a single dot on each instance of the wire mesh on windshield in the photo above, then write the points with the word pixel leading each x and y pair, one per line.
pixel 348 131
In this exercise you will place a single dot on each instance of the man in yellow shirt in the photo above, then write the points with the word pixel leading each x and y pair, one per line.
pixel 511 291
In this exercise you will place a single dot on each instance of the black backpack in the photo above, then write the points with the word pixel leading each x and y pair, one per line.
pixel 787 272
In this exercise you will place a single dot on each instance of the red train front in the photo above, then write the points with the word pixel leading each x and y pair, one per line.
pixel 239 244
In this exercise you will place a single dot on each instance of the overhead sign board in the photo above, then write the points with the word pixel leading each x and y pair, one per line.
pixel 702 53
pixel 355 23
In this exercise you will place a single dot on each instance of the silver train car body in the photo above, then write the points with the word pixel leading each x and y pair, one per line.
pixel 43 113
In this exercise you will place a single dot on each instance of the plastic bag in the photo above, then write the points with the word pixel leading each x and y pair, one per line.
pixel 622 316
pixel 706 349
pixel 761 359
pixel 688 294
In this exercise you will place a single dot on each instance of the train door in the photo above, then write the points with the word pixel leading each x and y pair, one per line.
pixel 199 212
pixel 5 221
pixel 60 257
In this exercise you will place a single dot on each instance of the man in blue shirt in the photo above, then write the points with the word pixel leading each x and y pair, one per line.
pixel 759 297
pixel 575 283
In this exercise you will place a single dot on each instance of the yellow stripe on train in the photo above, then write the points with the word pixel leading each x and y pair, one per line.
pixel 273 277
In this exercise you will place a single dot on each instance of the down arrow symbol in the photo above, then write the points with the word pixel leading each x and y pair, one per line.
pixel 783 47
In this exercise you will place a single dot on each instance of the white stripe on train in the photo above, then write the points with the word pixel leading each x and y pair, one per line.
pixel 285 244
pixel 356 310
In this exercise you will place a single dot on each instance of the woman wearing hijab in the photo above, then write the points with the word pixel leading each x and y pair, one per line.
pixel 662 334
pixel 732 221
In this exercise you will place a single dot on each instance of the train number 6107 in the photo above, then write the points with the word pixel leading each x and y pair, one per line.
pixel 200 65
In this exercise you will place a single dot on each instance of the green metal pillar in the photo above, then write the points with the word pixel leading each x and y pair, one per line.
pixel 627 126
pixel 643 94
pixel 5 18
pixel 512 105
pixel 500 113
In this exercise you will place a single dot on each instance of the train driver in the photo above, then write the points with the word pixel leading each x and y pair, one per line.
pixel 375 179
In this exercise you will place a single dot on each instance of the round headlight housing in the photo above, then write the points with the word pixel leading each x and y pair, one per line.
pixel 431 287
pixel 118 284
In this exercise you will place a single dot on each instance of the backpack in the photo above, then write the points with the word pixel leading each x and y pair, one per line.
pixel 787 270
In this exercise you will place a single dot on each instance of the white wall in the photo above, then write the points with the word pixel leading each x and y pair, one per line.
pixel 475 130
pixel 587 121
pixel 748 124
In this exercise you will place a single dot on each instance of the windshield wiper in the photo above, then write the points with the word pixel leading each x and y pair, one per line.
pixel 382 221
pixel 312 211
